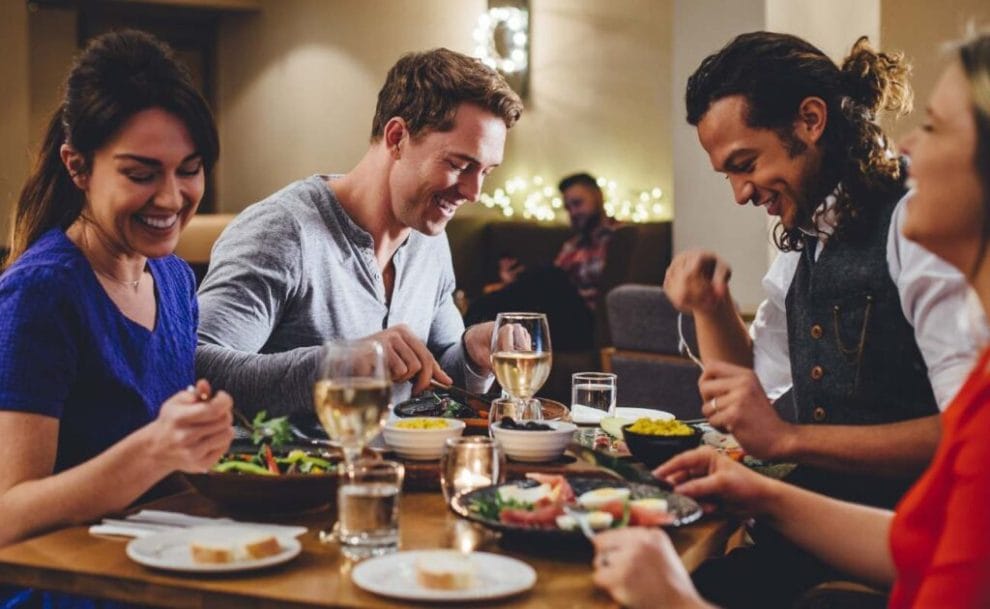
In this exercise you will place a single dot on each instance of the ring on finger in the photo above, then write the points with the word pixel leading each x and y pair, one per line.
pixel 714 405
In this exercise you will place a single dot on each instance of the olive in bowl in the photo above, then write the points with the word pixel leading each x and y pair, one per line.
pixel 653 441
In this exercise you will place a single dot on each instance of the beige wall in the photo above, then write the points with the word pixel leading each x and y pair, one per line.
pixel 599 94
pixel 53 45
pixel 832 26
pixel 920 28
pixel 299 82
pixel 14 107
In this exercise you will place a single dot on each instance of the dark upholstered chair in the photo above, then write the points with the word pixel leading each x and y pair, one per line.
pixel 644 354
pixel 639 253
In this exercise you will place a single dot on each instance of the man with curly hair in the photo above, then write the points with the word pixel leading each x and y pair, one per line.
pixel 855 349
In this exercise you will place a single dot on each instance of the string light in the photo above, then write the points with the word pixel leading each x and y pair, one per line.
pixel 534 199
pixel 516 22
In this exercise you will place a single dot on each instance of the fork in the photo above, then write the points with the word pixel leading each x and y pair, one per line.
pixel 581 516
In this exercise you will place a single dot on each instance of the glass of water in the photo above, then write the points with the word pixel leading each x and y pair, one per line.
pixel 368 509
pixel 594 390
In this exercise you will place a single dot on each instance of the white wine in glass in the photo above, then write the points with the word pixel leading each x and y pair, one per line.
pixel 352 394
pixel 521 353
pixel 521 374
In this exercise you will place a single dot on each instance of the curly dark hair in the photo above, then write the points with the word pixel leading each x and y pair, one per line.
pixel 775 73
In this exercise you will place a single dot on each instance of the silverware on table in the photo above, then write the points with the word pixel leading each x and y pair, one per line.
pixel 580 515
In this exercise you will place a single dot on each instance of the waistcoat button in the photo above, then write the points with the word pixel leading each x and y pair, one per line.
pixel 817 373
pixel 816 331
pixel 819 414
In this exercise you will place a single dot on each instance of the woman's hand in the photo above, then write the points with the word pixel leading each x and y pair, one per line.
pixel 717 481
pixel 640 568
pixel 191 433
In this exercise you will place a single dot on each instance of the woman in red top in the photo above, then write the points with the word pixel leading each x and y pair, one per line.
pixel 935 551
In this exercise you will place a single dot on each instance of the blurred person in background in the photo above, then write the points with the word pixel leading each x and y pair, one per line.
pixel 568 290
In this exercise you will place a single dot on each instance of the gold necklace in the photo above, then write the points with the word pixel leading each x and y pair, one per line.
pixel 134 285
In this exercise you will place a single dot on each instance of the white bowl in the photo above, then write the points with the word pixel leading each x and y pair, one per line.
pixel 421 444
pixel 535 446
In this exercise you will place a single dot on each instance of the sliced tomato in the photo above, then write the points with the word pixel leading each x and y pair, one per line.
pixel 543 517
pixel 270 460
pixel 640 516
pixel 616 508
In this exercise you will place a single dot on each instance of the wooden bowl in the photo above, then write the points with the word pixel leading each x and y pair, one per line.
pixel 249 493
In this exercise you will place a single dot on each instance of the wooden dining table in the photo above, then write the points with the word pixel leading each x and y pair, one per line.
pixel 71 560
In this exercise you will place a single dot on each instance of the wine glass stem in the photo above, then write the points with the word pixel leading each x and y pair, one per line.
pixel 351 455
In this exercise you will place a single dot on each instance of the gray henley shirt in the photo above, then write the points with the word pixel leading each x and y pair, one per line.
pixel 294 271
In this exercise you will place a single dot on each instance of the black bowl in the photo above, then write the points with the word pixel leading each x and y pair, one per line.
pixel 653 450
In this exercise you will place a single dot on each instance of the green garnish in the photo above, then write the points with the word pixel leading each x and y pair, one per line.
pixel 490 507
pixel 274 432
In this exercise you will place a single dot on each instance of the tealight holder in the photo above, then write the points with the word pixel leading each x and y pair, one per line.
pixel 469 463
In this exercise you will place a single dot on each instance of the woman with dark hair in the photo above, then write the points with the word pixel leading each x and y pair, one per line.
pixel 935 550
pixel 98 324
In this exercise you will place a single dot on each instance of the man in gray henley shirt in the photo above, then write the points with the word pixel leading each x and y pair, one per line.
pixel 362 254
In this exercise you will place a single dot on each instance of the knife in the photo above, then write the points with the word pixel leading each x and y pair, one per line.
pixel 623 469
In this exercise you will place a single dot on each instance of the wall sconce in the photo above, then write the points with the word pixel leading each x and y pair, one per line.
pixel 501 39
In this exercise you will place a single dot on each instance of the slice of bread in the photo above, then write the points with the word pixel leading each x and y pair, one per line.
pixel 262 546
pixel 210 553
pixel 240 546
pixel 445 570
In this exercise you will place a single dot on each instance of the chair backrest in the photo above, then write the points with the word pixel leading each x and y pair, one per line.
pixel 640 318
pixel 645 356
pixel 198 237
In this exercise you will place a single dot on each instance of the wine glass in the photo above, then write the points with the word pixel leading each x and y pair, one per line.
pixel 521 354
pixel 352 394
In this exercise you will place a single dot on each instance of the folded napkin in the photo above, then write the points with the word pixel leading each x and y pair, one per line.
pixel 584 415
pixel 149 522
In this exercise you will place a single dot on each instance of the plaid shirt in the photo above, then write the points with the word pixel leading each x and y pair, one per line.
pixel 583 259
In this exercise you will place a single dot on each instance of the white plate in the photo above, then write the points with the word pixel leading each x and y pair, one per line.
pixel 394 576
pixel 169 550
pixel 582 415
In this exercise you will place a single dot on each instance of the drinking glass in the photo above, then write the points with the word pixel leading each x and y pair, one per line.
pixel 521 353
pixel 594 390
pixel 524 410
pixel 470 462
pixel 352 394
pixel 368 508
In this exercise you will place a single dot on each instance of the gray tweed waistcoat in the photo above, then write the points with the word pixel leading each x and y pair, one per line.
pixel 854 359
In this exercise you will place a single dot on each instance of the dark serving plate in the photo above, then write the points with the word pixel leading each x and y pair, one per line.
pixel 684 509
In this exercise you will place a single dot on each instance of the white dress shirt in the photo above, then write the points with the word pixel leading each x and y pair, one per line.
pixel 933 298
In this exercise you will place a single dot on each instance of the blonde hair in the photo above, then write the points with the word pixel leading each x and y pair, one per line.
pixel 974 55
